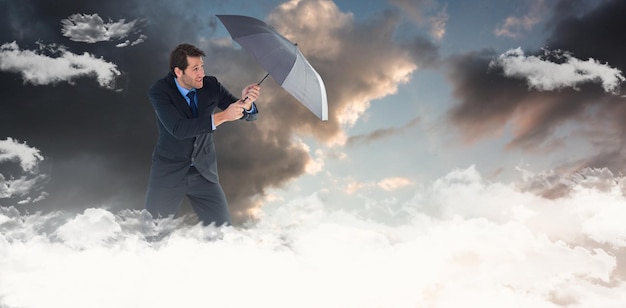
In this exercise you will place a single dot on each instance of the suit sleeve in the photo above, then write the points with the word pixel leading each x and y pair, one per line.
pixel 177 124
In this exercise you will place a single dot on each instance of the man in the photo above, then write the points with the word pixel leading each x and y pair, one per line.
pixel 184 160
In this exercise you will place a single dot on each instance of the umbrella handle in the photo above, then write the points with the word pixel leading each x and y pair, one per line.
pixel 258 84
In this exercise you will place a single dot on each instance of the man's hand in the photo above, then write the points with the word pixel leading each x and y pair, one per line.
pixel 236 110
pixel 250 94
pixel 232 113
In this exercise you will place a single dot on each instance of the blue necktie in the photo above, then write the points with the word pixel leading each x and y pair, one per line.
pixel 192 103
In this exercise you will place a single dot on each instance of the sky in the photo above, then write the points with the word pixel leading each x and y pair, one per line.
pixel 473 153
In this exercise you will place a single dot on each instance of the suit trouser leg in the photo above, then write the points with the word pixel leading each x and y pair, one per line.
pixel 162 202
pixel 207 199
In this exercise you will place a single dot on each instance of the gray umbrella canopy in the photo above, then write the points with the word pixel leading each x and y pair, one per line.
pixel 281 59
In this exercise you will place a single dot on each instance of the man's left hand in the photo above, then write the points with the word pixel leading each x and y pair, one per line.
pixel 252 92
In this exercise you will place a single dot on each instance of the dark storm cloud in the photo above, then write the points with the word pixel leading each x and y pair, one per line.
pixel 599 35
pixel 327 37
pixel 98 142
pixel 424 52
pixel 489 100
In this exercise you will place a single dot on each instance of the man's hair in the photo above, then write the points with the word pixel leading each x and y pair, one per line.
pixel 178 57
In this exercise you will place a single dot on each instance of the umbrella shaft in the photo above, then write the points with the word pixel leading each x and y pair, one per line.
pixel 263 79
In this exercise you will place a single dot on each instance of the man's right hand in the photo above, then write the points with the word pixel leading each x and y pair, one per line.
pixel 234 112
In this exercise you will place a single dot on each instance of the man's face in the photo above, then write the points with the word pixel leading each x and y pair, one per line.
pixel 193 75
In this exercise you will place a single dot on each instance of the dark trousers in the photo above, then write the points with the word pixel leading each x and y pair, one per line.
pixel 206 198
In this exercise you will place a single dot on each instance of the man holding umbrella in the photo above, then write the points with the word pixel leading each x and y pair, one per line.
pixel 184 161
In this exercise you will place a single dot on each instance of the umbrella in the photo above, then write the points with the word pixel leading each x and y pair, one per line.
pixel 281 59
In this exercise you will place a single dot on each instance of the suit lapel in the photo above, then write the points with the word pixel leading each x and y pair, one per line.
pixel 183 105
pixel 204 101
pixel 201 101
pixel 180 101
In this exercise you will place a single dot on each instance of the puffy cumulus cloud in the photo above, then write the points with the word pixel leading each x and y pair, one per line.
pixel 463 241
pixel 317 27
pixel 372 64
pixel 28 180
pixel 38 68
pixel 12 150
pixel 91 28
pixel 100 223
pixel 543 74
pixel 514 26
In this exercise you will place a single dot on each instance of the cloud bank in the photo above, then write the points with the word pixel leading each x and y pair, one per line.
pixel 461 241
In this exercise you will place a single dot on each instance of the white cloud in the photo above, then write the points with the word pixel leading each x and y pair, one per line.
pixel 314 164
pixel 542 74
pixel 29 181
pixel 513 26
pixel 462 243
pixel 438 24
pixel 354 186
pixel 391 184
pixel 100 223
pixel 42 195
pixel 12 150
pixel 38 68
pixel 20 186
pixel 126 43
pixel 92 28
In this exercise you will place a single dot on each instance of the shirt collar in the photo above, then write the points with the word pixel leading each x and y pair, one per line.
pixel 182 90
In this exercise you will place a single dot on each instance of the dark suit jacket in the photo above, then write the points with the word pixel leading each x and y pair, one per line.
pixel 184 140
